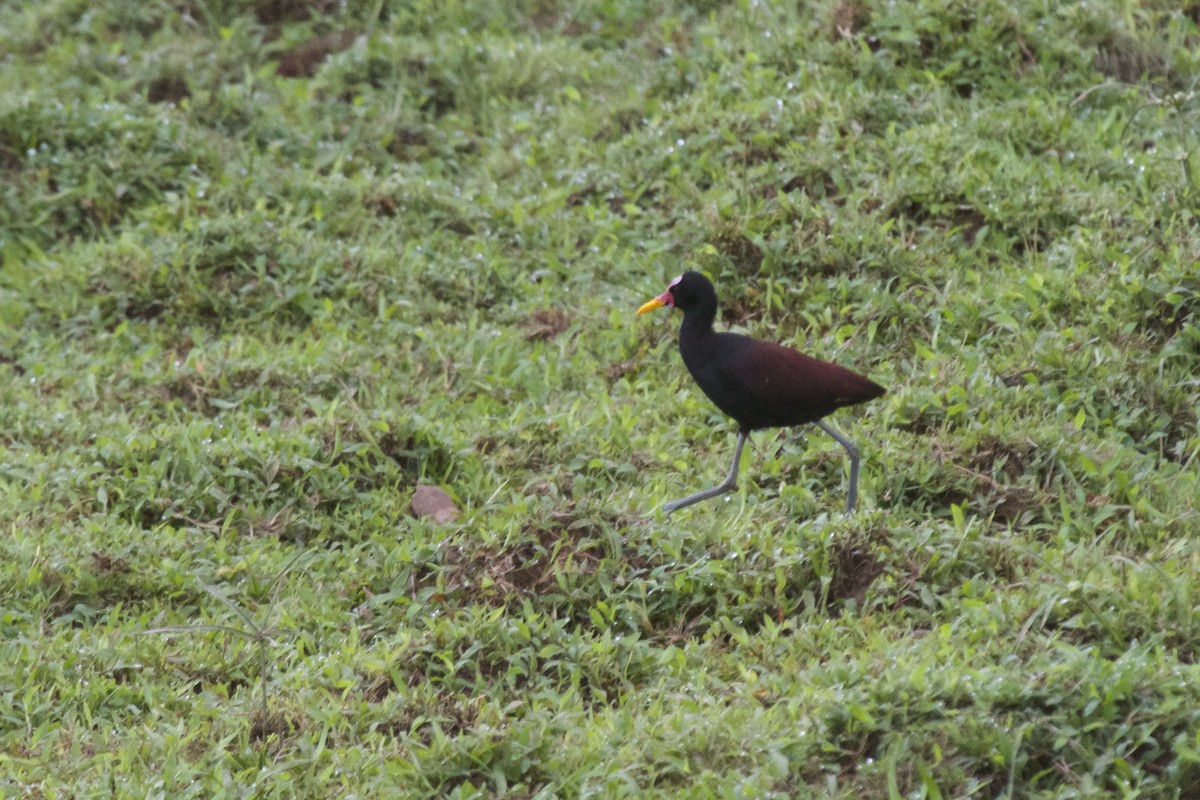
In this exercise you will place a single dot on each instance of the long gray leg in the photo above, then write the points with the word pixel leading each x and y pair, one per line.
pixel 852 499
pixel 728 486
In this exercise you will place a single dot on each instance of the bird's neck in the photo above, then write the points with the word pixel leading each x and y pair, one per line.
pixel 697 323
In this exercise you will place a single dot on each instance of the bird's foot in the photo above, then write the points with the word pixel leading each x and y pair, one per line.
pixel 691 499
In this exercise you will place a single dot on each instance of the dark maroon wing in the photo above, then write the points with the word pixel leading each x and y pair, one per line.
pixel 781 386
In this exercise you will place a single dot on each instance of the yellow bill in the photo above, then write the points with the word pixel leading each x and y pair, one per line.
pixel 650 305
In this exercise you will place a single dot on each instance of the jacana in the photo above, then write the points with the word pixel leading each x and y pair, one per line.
pixel 758 384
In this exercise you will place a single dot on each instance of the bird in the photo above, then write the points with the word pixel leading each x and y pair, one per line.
pixel 759 384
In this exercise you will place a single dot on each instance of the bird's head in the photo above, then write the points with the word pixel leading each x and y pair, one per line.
pixel 687 290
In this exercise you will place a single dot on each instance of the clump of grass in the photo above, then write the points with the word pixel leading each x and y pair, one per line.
pixel 260 635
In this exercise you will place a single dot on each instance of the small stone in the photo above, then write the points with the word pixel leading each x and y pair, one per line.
pixel 432 502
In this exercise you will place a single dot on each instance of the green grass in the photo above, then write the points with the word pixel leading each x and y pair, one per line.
pixel 244 313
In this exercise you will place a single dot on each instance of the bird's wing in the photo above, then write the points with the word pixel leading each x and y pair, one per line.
pixel 791 387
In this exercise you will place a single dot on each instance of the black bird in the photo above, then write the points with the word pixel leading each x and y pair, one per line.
pixel 759 384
